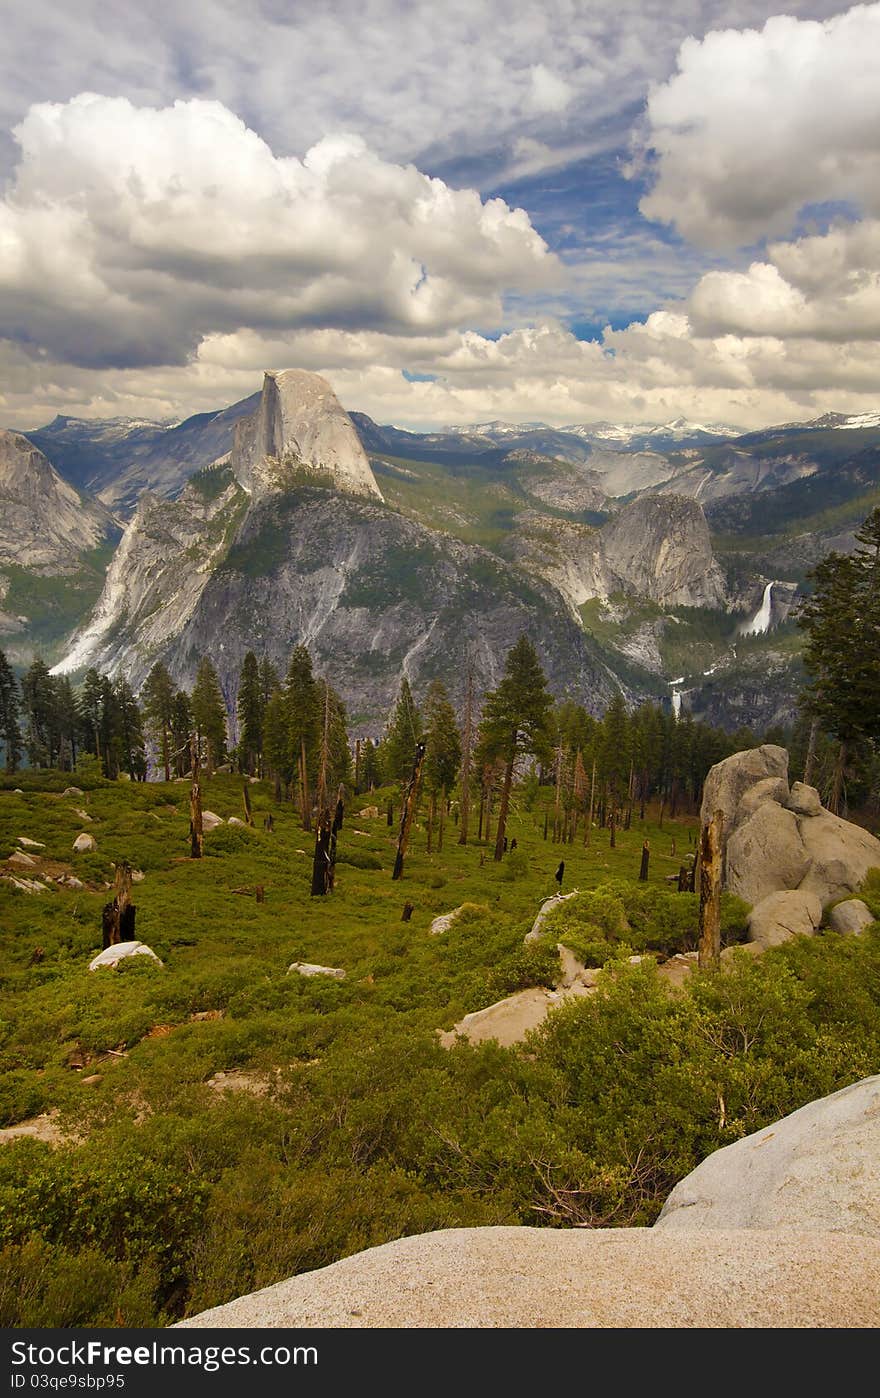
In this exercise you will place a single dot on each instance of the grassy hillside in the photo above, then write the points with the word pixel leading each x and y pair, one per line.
pixel 224 1124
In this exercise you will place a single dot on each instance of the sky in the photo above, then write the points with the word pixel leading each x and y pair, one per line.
pixel 569 211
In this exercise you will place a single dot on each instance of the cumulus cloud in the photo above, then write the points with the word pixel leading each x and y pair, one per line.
pixel 128 234
pixel 758 124
pixel 418 80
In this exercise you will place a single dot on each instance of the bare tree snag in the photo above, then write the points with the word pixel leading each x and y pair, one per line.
pixel 305 800
pixel 261 893
pixel 810 761
pixel 684 879
pixel 592 804
pixel 390 811
pixel 443 804
pixel 407 913
pixel 357 766
pixel 613 827
pixel 467 743
pixel 646 856
pixel 410 800
pixel 248 813
pixel 710 894
pixel 195 803
pixel 117 916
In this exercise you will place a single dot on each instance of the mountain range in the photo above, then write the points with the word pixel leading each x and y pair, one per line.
pixel 666 560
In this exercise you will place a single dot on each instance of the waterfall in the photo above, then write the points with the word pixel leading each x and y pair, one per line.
pixel 760 622
pixel 676 697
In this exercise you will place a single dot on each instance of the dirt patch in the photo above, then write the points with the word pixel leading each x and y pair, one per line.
pixel 37 1128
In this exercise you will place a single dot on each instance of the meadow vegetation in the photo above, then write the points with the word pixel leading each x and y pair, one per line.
pixel 223 1124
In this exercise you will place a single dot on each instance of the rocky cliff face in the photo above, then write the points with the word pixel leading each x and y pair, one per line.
pixel 158 574
pixel 299 426
pixel 659 547
pixel 373 595
pixel 44 523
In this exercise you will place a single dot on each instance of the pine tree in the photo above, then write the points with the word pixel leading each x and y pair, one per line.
pixel 130 736
pixel 442 752
pixel 842 654
pixel 442 739
pixel 276 742
pixel 181 728
pixel 304 706
pixel 39 705
pixel 516 719
pixel 270 680
pixel 209 715
pixel 90 707
pixel 403 731
pixel 157 698
pixel 67 720
pixel 615 748
pixel 250 709
pixel 10 731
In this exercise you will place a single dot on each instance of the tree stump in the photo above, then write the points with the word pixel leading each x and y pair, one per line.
pixel 118 916
pixel 407 913
pixel 646 855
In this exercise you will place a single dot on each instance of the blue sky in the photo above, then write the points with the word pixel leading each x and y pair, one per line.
pixel 568 211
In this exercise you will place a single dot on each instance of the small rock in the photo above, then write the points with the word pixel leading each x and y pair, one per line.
pixel 234 820
pixel 70 881
pixel 18 856
pixel 804 800
pixel 444 922
pixel 18 791
pixel 851 916
pixel 83 815
pixel 210 820
pixel 92 1078
pixel 72 791
pixel 369 813
pixel 25 885
pixel 781 916
pixel 112 956
pixel 305 968
pixel 30 844
pixel 84 843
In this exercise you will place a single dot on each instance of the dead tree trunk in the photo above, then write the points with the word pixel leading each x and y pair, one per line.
pixel 646 855
pixel 322 862
pixel 837 784
pixel 592 807
pixel 305 801
pixel 409 808
pixel 810 761
pixel 442 820
pixel 195 803
pixel 710 894
pixel 467 743
pixel 248 813
pixel 117 916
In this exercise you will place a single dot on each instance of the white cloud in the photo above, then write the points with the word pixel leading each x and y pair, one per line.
pixel 549 92
pixel 756 125
pixel 130 233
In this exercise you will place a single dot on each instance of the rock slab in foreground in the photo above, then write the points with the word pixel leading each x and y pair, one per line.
pixel 483 1278
pixel 818 1169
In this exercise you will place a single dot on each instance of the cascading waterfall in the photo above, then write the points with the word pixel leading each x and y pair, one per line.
pixel 760 622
